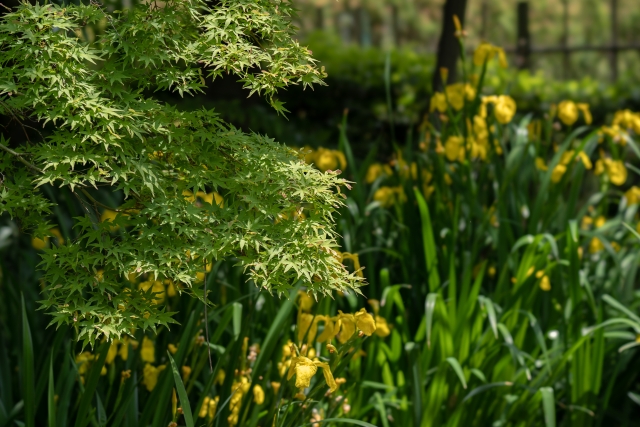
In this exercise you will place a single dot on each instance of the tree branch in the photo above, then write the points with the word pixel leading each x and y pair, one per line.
pixel 21 159
pixel 95 202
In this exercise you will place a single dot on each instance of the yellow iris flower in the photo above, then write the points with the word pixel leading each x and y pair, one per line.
pixel 586 161
pixel 108 216
pixel 200 274
pixel 558 173
pixel 157 289
pixel 632 195
pixel 438 102
pixel 329 330
pixel 341 256
pixel 40 244
pixel 304 369
pixel 382 327
pixel 220 377
pixel 83 360
pixel 586 222
pixel 616 170
pixel 504 107
pixel 112 352
pixel 457 93
pixel 541 165
pixel 258 394
pixel 568 112
pixel 305 302
pixel 453 148
pixel 628 120
pixel 240 388
pixel 150 375
pixel 375 171
pixel 275 386
pixel 346 325
pixel 388 196
pixel 124 347
pixel 326 159
pixel 148 351
pixel 365 322
pixel 485 52
pixel 616 133
pixel 186 372
pixel 595 245
pixel 209 407
pixel 545 284
pixel 307 327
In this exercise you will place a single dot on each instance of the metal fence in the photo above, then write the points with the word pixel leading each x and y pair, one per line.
pixel 525 48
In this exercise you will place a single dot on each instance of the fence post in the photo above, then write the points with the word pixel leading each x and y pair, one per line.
pixel 484 15
pixel 523 47
pixel 614 40
pixel 565 39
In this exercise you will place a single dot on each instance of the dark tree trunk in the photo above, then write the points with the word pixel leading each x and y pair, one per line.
pixel 448 47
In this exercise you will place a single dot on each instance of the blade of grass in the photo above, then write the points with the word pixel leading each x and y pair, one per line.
pixel 618 306
pixel 540 338
pixel 51 396
pixel 66 390
pixel 275 330
pixel 491 312
pixel 486 387
pixel 237 319
pixel 182 393
pixel 458 370
pixel 548 406
pixel 100 414
pixel 633 231
pixel 4 417
pixel 416 380
pixel 6 395
pixel 429 309
pixel 381 409
pixel 91 384
pixel 42 376
pixel 28 381
pixel 163 390
pixel 634 397
pixel 341 421
pixel 428 242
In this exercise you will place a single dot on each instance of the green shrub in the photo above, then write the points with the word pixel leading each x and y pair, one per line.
pixel 195 189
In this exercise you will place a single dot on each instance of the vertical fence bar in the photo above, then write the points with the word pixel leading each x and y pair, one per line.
pixel 484 15
pixel 319 18
pixel 523 46
pixel 365 26
pixel 613 54
pixel 565 39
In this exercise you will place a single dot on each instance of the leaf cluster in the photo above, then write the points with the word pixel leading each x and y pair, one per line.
pixel 105 132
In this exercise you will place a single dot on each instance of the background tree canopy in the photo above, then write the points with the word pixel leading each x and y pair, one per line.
pixel 193 188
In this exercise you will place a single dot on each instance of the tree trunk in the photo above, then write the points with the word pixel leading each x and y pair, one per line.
pixel 448 47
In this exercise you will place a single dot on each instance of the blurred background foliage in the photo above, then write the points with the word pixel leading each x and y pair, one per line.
pixel 353 39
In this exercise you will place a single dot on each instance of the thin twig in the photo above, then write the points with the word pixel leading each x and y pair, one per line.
pixel 109 17
pixel 41 172
pixel 82 203
pixel 21 159
pixel 15 117
pixel 206 320
pixel 95 202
